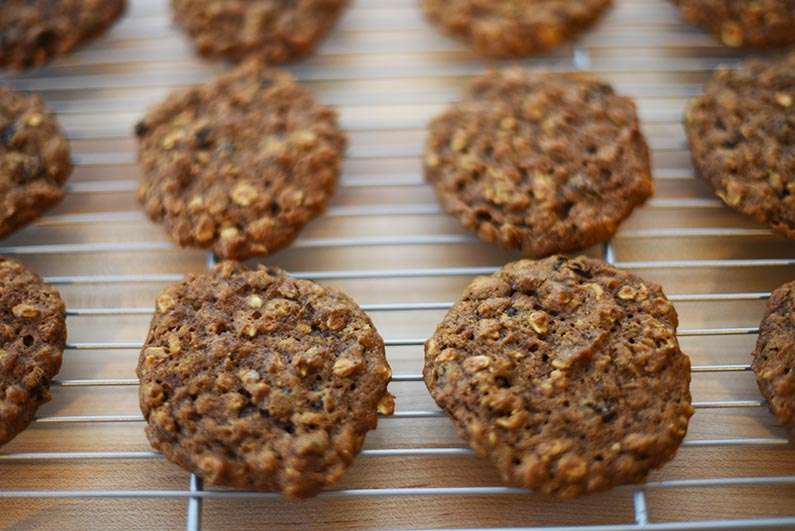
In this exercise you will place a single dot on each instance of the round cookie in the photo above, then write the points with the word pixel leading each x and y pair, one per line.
pixel 239 164
pixel 774 357
pixel 274 32
pixel 540 162
pixel 32 339
pixel 565 373
pixel 742 141
pixel 34 31
pixel 255 380
pixel 514 28
pixel 740 23
pixel 34 160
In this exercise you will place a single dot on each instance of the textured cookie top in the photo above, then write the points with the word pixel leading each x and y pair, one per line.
pixel 239 164
pixel 256 380
pixel 566 373
pixel 514 28
pixel 273 31
pixel 32 338
pixel 774 357
pixel 540 162
pixel 34 160
pixel 757 23
pixel 742 138
pixel 34 31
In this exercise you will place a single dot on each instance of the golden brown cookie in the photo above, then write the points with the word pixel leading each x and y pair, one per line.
pixel 540 162
pixel 239 164
pixel 774 357
pixel 34 31
pixel 565 373
pixel 272 31
pixel 34 160
pixel 748 23
pixel 742 139
pixel 255 380
pixel 32 339
pixel 515 28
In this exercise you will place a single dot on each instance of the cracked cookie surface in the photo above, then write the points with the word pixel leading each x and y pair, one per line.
pixel 34 160
pixel 32 339
pixel 514 28
pixel 742 139
pixel 274 31
pixel 253 379
pixel 34 31
pixel 240 163
pixel 743 23
pixel 541 162
pixel 565 373
pixel 774 356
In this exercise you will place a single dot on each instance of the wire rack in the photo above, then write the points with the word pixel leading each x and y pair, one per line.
pixel 85 461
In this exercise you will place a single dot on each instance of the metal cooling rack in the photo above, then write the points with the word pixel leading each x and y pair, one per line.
pixel 387 72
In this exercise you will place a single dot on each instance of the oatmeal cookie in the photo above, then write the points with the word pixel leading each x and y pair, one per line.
pixel 757 23
pixel 32 32
pixel 540 162
pixel 255 380
pixel 742 139
pixel 565 373
pixel 32 340
pixel 34 160
pixel 274 31
pixel 515 28
pixel 239 164
pixel 774 357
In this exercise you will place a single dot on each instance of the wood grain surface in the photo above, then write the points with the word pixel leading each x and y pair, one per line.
pixel 388 72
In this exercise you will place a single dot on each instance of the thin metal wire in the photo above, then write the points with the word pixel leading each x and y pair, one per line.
pixel 406 342
pixel 365 274
pixel 424 306
pixel 409 414
pixel 195 503
pixel 386 210
pixel 372 453
pixel 402 210
pixel 710 525
pixel 412 121
pixel 421 239
pixel 131 382
pixel 381 492
pixel 639 506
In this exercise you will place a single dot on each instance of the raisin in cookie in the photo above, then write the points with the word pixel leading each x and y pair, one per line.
pixel 540 162
pixel 742 139
pixel 514 28
pixel 34 160
pixel 566 373
pixel 34 31
pixel 255 380
pixel 32 339
pixel 239 164
pixel 757 23
pixel 774 357
pixel 273 31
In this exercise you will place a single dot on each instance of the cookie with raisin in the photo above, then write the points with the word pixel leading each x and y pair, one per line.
pixel 256 380
pixel 540 162
pixel 566 373
pixel 240 164
pixel 32 340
